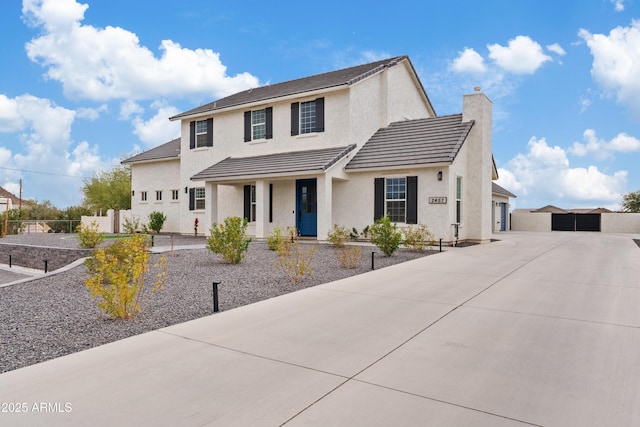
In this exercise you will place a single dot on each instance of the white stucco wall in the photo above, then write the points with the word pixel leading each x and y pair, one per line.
pixel 353 200
pixel 531 221
pixel 620 222
pixel 157 176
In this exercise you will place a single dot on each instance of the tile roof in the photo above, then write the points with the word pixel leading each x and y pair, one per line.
pixel 413 142
pixel 165 151
pixel 495 188
pixel 289 163
pixel 346 76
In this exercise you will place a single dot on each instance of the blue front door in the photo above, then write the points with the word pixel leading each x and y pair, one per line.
pixel 306 207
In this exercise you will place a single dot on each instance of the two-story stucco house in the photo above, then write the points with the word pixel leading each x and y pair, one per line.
pixel 344 147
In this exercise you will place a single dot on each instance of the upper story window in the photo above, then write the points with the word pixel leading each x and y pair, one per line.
pixel 307 117
pixel 159 195
pixel 258 124
pixel 143 196
pixel 201 133
pixel 174 194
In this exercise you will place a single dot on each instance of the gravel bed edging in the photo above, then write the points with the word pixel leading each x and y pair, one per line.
pixel 54 315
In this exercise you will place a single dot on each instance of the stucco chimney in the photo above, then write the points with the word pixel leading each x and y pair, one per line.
pixel 477 182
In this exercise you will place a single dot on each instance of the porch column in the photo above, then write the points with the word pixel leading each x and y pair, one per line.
pixel 211 207
pixel 324 206
pixel 262 209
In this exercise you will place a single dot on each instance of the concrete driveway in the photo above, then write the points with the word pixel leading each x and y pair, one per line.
pixel 536 329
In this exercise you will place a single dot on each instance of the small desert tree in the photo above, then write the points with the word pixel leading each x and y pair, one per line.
pixel 117 276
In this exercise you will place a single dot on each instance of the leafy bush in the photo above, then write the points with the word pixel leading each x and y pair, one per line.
pixel 338 236
pixel 274 239
pixel 354 234
pixel 294 261
pixel 418 239
pixel 385 235
pixel 156 221
pixel 348 256
pixel 230 239
pixel 89 236
pixel 117 275
pixel 132 225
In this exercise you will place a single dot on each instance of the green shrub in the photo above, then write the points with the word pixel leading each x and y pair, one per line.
pixel 418 238
pixel 156 221
pixel 338 236
pixel 274 239
pixel 89 236
pixel 117 275
pixel 229 239
pixel 385 235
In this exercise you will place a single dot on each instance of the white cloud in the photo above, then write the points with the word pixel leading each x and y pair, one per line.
pixel 109 63
pixel 469 61
pixel 521 56
pixel 616 62
pixel 556 48
pixel 601 149
pixel 618 5
pixel 129 108
pixel 44 132
pixel 544 176
pixel 158 129
pixel 10 119
pixel 91 113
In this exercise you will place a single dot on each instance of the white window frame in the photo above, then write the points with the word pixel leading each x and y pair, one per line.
pixel 158 195
pixel 253 204
pixel 201 133
pixel 258 124
pixel 143 196
pixel 387 182
pixel 308 117
pixel 199 196
pixel 175 194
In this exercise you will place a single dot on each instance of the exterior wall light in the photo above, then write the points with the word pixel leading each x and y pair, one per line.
pixel 133 193
pixel 439 175
pixel 186 190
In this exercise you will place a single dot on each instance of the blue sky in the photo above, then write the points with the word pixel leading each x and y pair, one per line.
pixel 84 84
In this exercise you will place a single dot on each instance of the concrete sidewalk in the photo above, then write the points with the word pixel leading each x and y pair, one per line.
pixel 536 329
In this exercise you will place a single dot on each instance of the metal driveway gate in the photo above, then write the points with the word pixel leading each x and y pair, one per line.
pixel 575 222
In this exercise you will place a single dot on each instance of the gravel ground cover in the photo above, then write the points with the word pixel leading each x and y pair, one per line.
pixel 54 316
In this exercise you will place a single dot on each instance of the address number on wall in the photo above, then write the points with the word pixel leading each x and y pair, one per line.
pixel 437 200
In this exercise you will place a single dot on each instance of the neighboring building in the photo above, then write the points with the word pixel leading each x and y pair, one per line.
pixel 553 218
pixel 501 208
pixel 344 147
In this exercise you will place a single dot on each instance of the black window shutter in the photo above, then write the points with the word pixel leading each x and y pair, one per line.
pixel 412 200
pixel 192 135
pixel 295 118
pixel 192 199
pixel 210 132
pixel 247 202
pixel 320 115
pixel 378 205
pixel 270 202
pixel 269 122
pixel 247 126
